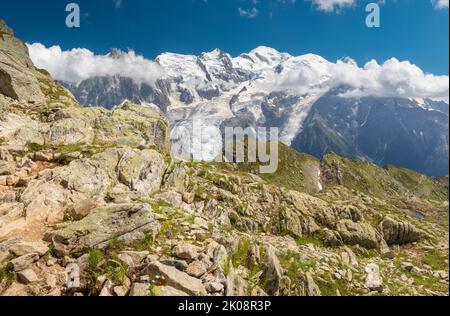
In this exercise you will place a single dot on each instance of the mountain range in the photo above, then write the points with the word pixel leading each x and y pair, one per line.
pixel 273 89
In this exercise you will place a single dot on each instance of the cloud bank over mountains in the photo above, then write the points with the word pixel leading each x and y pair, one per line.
pixel 393 78
pixel 302 74
pixel 79 64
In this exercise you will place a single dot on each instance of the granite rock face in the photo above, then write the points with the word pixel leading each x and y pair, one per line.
pixel 18 77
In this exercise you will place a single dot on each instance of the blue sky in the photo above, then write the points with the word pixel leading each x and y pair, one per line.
pixel 413 30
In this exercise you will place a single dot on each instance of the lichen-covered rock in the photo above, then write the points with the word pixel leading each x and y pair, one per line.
pixel 329 215
pixel 290 222
pixel 140 289
pixel 141 171
pixel 104 224
pixel 311 288
pixel 133 125
pixel 18 131
pixel 44 201
pixel 91 176
pixel 17 73
pixel 235 284
pixel 220 258
pixel 273 273
pixel 374 281
pixel 362 234
pixel 173 277
pixel 399 233
pixel 71 131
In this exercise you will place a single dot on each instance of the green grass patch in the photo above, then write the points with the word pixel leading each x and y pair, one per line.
pixel 436 260
pixel 295 265
pixel 94 259
pixel 7 273
pixel 34 147
pixel 316 240
pixel 330 286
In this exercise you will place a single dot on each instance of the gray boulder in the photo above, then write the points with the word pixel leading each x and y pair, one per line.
pixel 273 273
pixel 399 233
pixel 173 277
pixel 103 224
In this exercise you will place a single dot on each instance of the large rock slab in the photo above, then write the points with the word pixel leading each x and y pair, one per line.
pixel 23 262
pixel 24 247
pixel 399 233
pixel 104 224
pixel 71 131
pixel 171 276
pixel 18 131
pixel 362 234
pixel 141 171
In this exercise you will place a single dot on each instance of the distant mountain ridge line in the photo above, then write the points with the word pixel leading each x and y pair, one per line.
pixel 271 89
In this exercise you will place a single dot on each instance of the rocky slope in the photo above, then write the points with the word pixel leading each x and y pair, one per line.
pixel 92 204
pixel 264 88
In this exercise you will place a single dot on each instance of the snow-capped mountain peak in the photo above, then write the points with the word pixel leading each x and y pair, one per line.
pixel 261 58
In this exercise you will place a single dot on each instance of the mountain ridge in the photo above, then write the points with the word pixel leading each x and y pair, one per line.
pixel 264 88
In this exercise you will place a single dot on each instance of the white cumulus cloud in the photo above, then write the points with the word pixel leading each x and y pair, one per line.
pixel 79 64
pixel 332 5
pixel 440 4
pixel 393 78
pixel 303 74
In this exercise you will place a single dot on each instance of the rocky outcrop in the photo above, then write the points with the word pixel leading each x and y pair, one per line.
pixel 236 285
pixel 17 73
pixel 175 278
pixel 273 273
pixel 374 281
pixel 399 233
pixel 114 172
pixel 102 225
pixel 311 289
pixel 362 234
